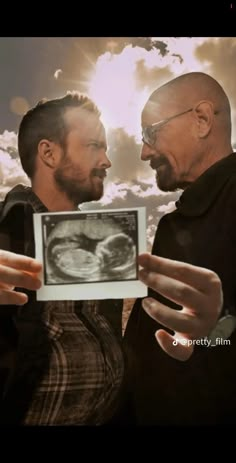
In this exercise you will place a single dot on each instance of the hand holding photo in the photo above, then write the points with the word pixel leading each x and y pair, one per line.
pixel 90 255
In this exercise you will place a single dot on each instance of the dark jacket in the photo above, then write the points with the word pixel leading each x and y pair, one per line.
pixel 16 234
pixel 202 390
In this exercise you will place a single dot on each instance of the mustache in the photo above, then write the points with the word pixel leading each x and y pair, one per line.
pixel 160 161
pixel 99 172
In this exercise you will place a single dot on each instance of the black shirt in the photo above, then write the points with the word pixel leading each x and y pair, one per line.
pixel 202 390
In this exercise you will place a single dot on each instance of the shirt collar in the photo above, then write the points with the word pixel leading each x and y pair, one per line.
pixel 198 197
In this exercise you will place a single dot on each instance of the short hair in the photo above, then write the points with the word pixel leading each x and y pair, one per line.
pixel 46 120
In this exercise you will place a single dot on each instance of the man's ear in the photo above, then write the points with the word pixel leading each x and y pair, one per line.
pixel 48 153
pixel 204 113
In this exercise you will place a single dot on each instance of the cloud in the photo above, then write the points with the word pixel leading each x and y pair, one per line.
pixel 151 230
pixel 150 44
pixel 8 140
pixel 219 54
pixel 151 77
pixel 117 44
pixel 57 73
pixel 11 172
pixel 177 55
pixel 167 208
pixel 219 57
pixel 124 154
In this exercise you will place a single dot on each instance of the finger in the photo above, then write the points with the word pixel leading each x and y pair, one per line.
pixel 20 262
pixel 167 343
pixel 204 307
pixel 18 278
pixel 199 277
pixel 175 320
pixel 6 286
pixel 176 291
pixel 12 297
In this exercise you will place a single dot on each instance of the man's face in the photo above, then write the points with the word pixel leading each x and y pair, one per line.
pixel 174 143
pixel 82 168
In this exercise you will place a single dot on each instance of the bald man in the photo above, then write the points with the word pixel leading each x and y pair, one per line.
pixel 187 140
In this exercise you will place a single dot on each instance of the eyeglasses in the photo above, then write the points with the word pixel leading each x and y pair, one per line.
pixel 149 132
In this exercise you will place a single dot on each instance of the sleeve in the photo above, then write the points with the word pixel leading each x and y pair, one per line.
pixel 8 331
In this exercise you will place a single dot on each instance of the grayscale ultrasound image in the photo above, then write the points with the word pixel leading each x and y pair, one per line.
pixel 90 247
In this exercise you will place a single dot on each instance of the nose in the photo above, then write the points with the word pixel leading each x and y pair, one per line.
pixel 147 152
pixel 104 160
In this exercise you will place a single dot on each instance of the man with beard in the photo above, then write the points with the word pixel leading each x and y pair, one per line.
pixel 63 359
pixel 187 140
pixel 68 364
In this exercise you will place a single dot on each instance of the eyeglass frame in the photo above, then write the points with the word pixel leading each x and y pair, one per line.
pixel 156 125
pixel 163 122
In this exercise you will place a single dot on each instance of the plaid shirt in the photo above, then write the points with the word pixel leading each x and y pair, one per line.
pixel 69 366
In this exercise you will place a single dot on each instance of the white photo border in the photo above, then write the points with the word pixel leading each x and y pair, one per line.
pixel 131 288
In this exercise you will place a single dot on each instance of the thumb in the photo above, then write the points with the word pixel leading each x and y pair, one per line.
pixel 172 345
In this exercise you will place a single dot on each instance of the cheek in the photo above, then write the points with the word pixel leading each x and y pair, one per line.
pixel 76 169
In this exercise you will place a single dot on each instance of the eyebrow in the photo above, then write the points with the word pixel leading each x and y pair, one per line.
pixel 103 144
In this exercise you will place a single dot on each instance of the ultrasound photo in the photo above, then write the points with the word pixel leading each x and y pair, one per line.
pixel 81 249
pixel 90 248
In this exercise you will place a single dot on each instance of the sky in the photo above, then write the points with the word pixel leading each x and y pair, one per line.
pixel 119 73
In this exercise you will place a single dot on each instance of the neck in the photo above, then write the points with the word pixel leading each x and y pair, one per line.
pixel 54 199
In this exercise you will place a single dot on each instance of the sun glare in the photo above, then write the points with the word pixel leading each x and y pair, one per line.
pixel 115 88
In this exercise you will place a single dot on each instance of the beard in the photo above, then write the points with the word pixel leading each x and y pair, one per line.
pixel 77 191
pixel 164 175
